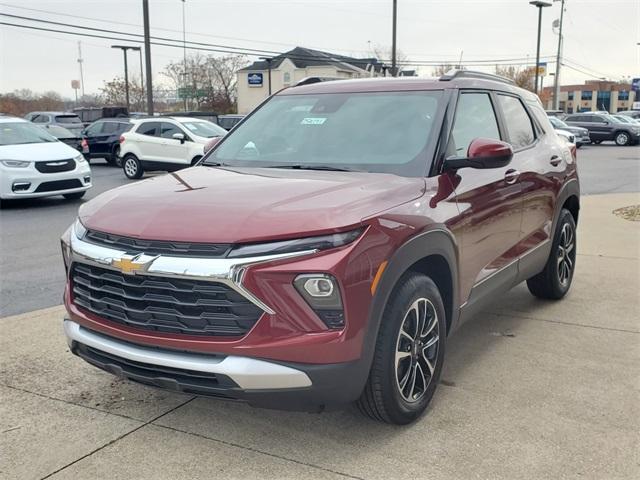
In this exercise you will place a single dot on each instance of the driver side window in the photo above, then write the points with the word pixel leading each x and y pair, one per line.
pixel 475 118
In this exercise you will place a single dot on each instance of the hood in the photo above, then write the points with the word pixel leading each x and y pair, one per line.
pixel 38 151
pixel 239 205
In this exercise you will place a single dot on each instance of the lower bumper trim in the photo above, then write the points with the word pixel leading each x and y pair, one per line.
pixel 247 373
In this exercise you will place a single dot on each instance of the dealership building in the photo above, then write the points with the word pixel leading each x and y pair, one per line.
pixel 593 95
pixel 258 79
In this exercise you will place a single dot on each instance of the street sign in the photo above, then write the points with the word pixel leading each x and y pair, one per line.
pixel 185 92
pixel 542 69
pixel 254 79
pixel 75 84
pixel 635 84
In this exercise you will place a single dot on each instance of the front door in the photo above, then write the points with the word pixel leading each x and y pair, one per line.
pixel 489 201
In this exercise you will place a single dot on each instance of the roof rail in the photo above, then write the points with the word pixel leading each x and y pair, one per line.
pixel 310 80
pixel 456 73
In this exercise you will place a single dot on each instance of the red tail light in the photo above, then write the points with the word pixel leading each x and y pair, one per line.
pixel 84 143
pixel 121 139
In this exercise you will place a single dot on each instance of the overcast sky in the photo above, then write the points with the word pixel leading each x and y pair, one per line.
pixel 601 36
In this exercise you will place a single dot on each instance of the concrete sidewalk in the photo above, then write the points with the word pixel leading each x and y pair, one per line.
pixel 531 390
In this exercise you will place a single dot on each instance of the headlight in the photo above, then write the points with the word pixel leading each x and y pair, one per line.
pixel 79 230
pixel 79 158
pixel 15 163
pixel 289 246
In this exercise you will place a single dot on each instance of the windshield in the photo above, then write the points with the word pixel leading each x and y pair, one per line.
pixel 621 119
pixel 67 119
pixel 19 133
pixel 556 122
pixel 387 132
pixel 204 129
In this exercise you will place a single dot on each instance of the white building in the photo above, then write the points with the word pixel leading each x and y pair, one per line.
pixel 290 67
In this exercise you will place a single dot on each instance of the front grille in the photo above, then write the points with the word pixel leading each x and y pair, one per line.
pixel 160 304
pixel 58 185
pixel 157 247
pixel 55 166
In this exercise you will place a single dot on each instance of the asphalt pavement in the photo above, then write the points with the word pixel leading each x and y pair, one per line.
pixel 32 275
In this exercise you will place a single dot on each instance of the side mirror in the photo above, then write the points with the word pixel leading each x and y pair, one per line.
pixel 178 136
pixel 482 153
pixel 212 142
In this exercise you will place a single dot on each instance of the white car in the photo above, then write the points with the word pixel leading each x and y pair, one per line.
pixel 35 164
pixel 165 143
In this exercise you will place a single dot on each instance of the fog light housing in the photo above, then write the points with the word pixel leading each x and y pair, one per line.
pixel 21 186
pixel 87 179
pixel 321 291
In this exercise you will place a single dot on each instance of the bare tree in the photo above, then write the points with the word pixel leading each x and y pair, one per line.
pixel 24 100
pixel 114 93
pixel 524 78
pixel 384 55
pixel 440 70
pixel 211 80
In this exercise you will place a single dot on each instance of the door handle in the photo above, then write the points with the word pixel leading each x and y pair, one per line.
pixel 555 160
pixel 511 176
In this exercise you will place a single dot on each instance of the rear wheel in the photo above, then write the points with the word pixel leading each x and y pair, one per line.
pixel 132 167
pixel 622 139
pixel 409 353
pixel 597 142
pixel 114 159
pixel 555 280
pixel 74 195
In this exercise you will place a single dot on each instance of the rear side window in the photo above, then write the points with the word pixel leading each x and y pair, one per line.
pixel 68 119
pixel 111 127
pixel 475 118
pixel 148 128
pixel 517 121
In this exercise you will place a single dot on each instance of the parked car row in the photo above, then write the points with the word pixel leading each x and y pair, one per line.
pixel 603 127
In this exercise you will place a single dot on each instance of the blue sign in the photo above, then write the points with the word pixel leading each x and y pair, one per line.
pixel 635 84
pixel 254 79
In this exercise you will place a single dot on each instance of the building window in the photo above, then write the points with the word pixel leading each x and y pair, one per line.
pixel 623 95
pixel 587 95
pixel 570 96
pixel 286 78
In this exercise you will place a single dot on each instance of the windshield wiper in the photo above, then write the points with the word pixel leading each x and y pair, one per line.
pixel 299 166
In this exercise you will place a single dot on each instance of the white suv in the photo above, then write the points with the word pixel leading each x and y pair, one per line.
pixel 166 143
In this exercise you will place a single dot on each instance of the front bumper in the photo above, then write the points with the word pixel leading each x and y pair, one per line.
pixel 11 178
pixel 258 382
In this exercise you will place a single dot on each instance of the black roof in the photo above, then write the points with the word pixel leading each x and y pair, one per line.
pixel 307 57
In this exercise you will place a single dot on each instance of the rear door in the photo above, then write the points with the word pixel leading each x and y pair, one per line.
pixel 489 200
pixel 601 127
pixel 147 139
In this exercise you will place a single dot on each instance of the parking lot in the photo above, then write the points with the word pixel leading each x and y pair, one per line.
pixel 531 389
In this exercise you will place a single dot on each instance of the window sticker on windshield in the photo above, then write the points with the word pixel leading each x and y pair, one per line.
pixel 313 121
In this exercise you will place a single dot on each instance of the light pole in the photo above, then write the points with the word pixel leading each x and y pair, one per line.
pixel 540 4
pixel 184 54
pixel 394 67
pixel 147 55
pixel 124 49
pixel 268 60
pixel 556 80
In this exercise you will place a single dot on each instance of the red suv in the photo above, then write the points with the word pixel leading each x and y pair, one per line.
pixel 323 251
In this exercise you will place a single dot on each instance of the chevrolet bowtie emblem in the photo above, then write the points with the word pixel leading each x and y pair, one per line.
pixel 131 265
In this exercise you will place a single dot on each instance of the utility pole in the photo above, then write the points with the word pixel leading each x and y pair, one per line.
pixel 147 55
pixel 556 80
pixel 540 5
pixel 394 67
pixel 124 49
pixel 141 81
pixel 184 54
pixel 268 60
pixel 80 65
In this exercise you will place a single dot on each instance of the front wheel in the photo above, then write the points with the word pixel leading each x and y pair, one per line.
pixel 409 353
pixel 622 139
pixel 132 167
pixel 114 159
pixel 554 281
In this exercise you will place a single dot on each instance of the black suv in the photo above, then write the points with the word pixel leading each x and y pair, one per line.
pixel 605 127
pixel 102 139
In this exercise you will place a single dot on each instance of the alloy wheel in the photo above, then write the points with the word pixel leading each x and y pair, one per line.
pixel 131 167
pixel 622 139
pixel 417 350
pixel 566 254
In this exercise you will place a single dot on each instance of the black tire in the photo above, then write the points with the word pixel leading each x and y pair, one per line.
pixel 196 159
pixel 74 195
pixel 114 158
pixel 597 142
pixel 132 167
pixel 622 139
pixel 383 397
pixel 554 281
